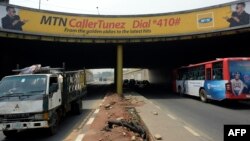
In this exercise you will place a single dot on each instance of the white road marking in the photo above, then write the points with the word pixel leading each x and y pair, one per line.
pixel 171 116
pixel 90 121
pixel 81 125
pixel 96 111
pixel 80 137
pixel 84 121
pixel 157 107
pixel 191 131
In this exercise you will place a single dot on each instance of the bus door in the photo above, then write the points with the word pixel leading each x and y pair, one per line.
pixel 208 71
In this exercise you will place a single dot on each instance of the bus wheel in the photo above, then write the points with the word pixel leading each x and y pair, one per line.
pixel 203 95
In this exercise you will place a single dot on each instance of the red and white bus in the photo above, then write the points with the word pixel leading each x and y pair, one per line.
pixel 220 79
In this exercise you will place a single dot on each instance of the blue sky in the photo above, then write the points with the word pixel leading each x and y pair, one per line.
pixel 118 7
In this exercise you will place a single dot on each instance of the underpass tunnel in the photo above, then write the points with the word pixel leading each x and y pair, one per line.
pixel 159 57
pixel 178 53
pixel 74 55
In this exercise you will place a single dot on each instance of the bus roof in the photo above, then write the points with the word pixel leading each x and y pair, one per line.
pixel 218 60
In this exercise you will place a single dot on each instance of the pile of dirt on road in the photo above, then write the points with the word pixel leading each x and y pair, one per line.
pixel 117 120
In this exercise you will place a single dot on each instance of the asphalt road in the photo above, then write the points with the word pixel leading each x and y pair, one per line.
pixel 206 118
pixel 69 124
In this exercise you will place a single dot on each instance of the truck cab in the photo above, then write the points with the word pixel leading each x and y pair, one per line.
pixel 30 101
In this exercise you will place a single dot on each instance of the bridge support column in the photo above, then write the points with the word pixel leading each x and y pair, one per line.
pixel 119 71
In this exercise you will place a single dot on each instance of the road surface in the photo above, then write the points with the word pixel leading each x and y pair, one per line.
pixel 69 124
pixel 206 118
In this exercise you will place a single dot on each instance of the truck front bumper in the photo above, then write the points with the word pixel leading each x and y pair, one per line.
pixel 23 125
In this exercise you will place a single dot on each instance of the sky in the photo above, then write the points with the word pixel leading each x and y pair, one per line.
pixel 118 7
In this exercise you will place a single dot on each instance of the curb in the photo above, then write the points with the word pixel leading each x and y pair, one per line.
pixel 150 136
pixel 87 123
pixel 193 131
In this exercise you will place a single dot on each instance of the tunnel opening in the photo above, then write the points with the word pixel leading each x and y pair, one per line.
pixel 101 76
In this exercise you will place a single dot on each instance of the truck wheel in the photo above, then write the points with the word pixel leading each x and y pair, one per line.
pixel 78 107
pixel 203 96
pixel 10 133
pixel 52 130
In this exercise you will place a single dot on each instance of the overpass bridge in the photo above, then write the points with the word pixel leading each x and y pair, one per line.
pixel 157 41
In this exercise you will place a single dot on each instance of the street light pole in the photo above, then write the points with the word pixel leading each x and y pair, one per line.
pixel 39 4
pixel 98 10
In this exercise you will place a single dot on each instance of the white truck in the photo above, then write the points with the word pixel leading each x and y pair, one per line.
pixel 39 99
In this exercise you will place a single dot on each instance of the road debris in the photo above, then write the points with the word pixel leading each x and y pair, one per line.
pixel 119 118
pixel 133 138
pixel 158 137
pixel 132 126
pixel 121 122
pixel 155 113
pixel 107 106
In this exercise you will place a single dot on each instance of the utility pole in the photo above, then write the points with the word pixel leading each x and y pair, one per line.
pixel 39 4
pixel 98 10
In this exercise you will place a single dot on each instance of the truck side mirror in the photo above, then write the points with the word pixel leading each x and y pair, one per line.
pixel 53 88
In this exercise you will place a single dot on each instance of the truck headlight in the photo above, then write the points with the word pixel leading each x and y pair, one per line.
pixel 43 116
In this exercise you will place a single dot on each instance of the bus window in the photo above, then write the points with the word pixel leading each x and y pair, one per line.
pixel 217 71
pixel 208 74
pixel 190 75
pixel 182 74
pixel 198 73
pixel 201 72
pixel 217 74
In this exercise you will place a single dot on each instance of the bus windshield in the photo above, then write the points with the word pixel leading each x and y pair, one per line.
pixel 240 76
pixel 23 85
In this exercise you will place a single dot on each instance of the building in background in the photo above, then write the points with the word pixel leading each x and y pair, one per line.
pixel 89 76
pixel 137 74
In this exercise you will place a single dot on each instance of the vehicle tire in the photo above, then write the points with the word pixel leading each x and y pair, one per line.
pixel 203 95
pixel 10 133
pixel 77 107
pixel 52 130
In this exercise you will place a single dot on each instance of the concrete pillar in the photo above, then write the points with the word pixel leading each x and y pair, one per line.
pixel 119 67
pixel 115 75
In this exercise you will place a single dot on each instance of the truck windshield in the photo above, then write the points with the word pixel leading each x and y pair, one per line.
pixel 23 85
